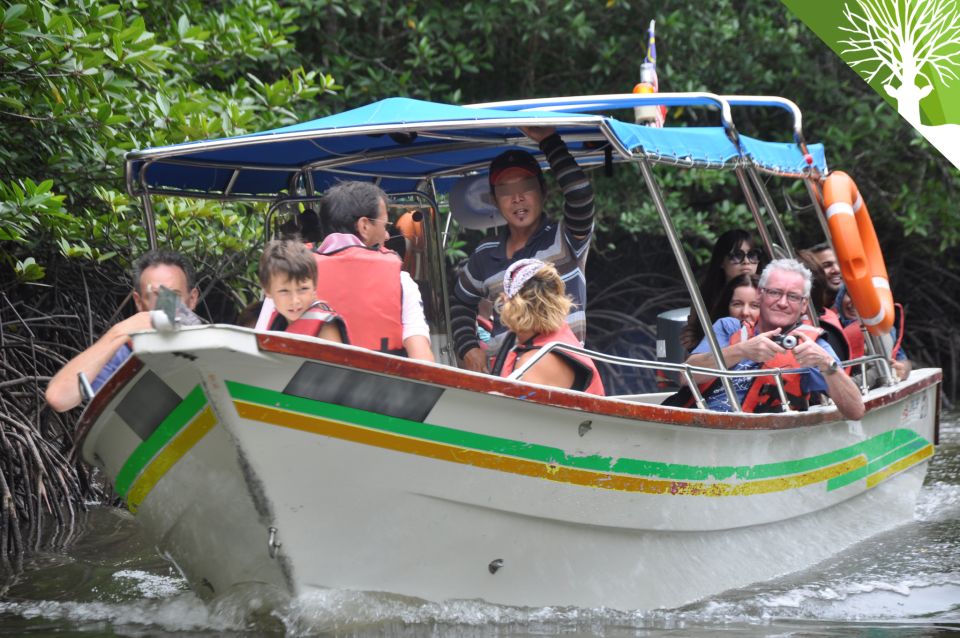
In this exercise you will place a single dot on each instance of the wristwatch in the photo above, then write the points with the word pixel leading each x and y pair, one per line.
pixel 831 369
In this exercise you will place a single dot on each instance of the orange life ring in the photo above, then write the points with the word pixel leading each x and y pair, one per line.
pixel 858 252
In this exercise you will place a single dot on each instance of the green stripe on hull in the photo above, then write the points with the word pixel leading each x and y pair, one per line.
pixel 877 463
pixel 179 417
pixel 879 451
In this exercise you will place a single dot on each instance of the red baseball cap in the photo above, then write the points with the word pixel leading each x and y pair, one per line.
pixel 514 162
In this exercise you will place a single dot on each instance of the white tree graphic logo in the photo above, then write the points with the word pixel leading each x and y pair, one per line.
pixel 909 43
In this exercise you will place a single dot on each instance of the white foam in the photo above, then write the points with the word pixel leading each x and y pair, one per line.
pixel 152 585
pixel 184 612
pixel 938 501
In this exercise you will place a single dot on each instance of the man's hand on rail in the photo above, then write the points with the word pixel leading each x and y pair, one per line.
pixel 476 360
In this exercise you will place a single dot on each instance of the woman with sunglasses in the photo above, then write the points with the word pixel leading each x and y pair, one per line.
pixel 533 307
pixel 379 302
pixel 733 254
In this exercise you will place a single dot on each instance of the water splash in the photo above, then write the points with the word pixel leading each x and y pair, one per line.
pixel 907 580
pixel 151 585
pixel 181 612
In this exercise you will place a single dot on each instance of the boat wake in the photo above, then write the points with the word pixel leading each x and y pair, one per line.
pixel 178 612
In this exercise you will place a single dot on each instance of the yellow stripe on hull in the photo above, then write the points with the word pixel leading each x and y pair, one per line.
pixel 535 469
pixel 168 457
pixel 899 466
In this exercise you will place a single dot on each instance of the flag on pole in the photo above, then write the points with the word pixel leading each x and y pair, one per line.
pixel 651 57
pixel 650 83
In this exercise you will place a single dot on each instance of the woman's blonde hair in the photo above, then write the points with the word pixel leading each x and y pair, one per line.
pixel 540 306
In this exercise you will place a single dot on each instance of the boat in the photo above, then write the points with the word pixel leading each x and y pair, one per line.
pixel 257 458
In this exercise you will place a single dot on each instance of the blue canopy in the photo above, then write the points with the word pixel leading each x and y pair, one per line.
pixel 401 141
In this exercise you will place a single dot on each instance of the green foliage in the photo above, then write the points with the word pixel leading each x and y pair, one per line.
pixel 82 83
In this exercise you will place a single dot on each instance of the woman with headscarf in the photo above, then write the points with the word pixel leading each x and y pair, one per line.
pixel 534 308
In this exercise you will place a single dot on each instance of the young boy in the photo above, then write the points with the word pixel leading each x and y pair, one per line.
pixel 288 274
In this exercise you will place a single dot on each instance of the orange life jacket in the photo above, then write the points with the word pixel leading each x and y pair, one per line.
pixel 762 395
pixel 363 284
pixel 853 332
pixel 587 369
pixel 853 341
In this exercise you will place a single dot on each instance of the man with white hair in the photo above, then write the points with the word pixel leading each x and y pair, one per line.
pixel 784 289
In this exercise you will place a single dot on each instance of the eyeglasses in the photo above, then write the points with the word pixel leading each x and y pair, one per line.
pixel 513 188
pixel 387 224
pixel 738 256
pixel 774 294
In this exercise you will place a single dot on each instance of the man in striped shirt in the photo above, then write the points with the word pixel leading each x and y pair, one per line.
pixel 518 187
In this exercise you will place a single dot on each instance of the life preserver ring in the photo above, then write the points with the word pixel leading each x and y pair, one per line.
pixel 858 252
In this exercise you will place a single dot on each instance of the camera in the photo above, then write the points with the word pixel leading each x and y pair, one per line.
pixel 170 312
pixel 785 341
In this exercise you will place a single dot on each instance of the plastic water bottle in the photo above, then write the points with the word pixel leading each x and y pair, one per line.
pixel 645 114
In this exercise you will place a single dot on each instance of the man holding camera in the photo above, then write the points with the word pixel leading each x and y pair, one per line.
pixel 779 340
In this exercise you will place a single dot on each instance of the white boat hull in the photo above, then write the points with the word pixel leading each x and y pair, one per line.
pixel 381 474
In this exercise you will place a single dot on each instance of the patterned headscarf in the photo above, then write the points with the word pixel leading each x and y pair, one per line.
pixel 519 273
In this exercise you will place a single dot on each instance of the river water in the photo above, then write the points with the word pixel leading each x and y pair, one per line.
pixel 905 582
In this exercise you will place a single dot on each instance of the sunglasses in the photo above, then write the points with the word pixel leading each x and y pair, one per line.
pixel 514 188
pixel 738 256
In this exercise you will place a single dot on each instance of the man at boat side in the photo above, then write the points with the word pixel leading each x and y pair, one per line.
pixel 99 361
pixel 827 259
pixel 518 187
pixel 784 288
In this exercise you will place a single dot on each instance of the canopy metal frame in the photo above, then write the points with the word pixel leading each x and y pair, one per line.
pixel 559 112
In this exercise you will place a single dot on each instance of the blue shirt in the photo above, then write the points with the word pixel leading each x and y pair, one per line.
pixel 115 362
pixel 716 398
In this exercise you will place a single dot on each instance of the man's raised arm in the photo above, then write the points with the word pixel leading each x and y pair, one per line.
pixel 63 391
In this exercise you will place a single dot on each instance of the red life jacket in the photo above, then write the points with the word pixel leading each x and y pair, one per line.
pixel 853 333
pixel 363 284
pixel 585 370
pixel 830 320
pixel 762 395
pixel 310 322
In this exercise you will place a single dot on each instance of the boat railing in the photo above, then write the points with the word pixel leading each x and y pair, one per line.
pixel 688 371
pixel 886 371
